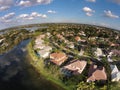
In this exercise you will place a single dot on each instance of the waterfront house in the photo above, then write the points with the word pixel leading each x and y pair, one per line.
pixel 58 58
pixel 75 66
pixel 42 50
pixel 43 53
pixel 39 46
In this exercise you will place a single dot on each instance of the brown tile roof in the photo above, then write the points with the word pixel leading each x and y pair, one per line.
pixel 58 58
pixel 96 73
pixel 76 65
pixel 77 38
pixel 113 44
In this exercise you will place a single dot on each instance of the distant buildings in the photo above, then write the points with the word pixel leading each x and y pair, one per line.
pixel 78 39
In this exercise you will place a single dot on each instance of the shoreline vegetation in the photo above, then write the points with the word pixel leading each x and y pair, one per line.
pixel 37 63
pixel 91 43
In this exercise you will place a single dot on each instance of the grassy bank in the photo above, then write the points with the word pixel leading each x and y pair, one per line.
pixel 39 66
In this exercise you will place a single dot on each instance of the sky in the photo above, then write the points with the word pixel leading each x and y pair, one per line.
pixel 96 12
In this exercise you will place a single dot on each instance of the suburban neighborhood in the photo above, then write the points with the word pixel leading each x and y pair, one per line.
pixel 77 52
pixel 71 55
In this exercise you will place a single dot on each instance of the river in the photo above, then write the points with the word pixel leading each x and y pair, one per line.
pixel 17 74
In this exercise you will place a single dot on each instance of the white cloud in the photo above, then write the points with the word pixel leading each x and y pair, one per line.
pixel 91 0
pixel 44 16
pixel 51 11
pixel 27 3
pixel 89 14
pixel 7 18
pixel 88 11
pixel 6 4
pixel 3 8
pixel 23 16
pixel 31 16
pixel 35 14
pixel 110 14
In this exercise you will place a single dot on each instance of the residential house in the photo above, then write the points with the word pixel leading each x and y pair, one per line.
pixel 70 45
pixel 117 37
pixel 96 73
pixel 99 52
pixel 43 53
pixel 115 73
pixel 92 38
pixel 81 53
pixel 42 50
pixel 58 58
pixel 114 45
pixel 48 34
pixel 39 46
pixel 75 66
pixel 1 40
pixel 62 38
pixel 82 33
pixel 48 48
pixel 115 52
pixel 78 39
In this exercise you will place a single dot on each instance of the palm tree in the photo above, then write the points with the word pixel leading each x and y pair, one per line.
pixel 82 86
pixel 104 88
pixel 91 85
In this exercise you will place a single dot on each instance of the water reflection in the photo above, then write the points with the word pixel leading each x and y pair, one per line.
pixel 17 74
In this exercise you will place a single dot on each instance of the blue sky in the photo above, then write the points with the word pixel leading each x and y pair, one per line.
pixel 96 12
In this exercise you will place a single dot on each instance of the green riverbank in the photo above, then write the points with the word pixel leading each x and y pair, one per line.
pixel 38 64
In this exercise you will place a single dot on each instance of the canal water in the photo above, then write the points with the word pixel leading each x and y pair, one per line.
pixel 17 74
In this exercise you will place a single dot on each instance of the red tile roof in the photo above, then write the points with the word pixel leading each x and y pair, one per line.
pixel 58 58
pixel 77 38
pixel 96 73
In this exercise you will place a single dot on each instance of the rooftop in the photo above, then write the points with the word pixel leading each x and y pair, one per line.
pixel 58 58
pixel 76 65
pixel 96 73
